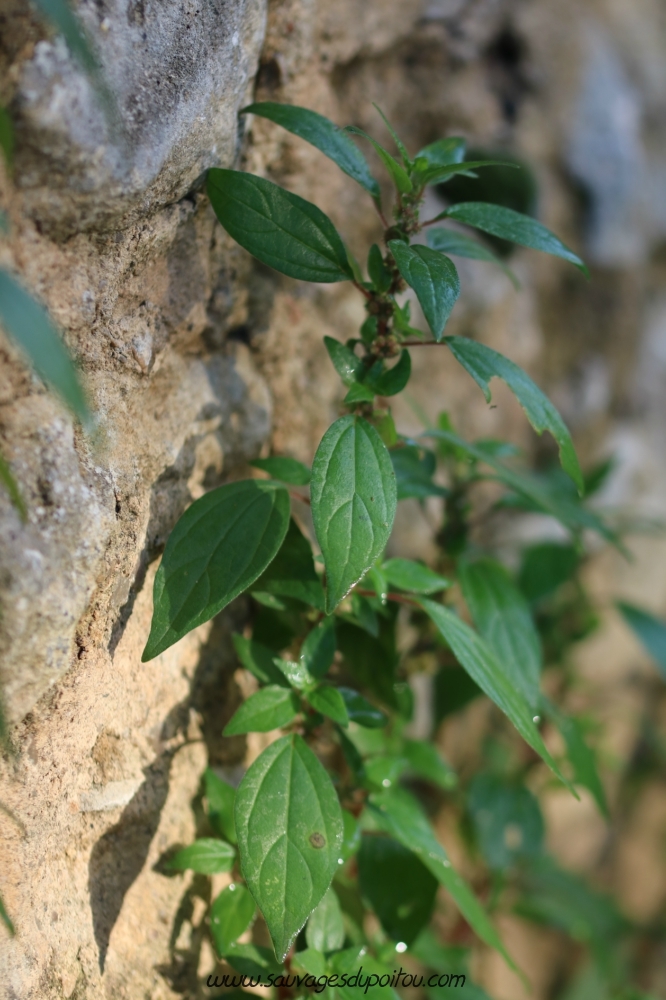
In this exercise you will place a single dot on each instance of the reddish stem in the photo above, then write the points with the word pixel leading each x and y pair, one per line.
pixel 398 598
pixel 362 290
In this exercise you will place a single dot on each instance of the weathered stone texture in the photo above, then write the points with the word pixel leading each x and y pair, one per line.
pixel 194 357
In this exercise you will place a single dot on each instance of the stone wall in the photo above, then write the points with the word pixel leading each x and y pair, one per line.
pixel 195 358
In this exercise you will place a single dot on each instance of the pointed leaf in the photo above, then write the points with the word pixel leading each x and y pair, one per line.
pixel 379 274
pixel 441 173
pixel 434 279
pixel 649 629
pixel 483 363
pixel 444 151
pixel 402 818
pixel 331 140
pixel 289 827
pixel 359 393
pixel 258 660
pixel 393 381
pixel 31 328
pixel 513 226
pixel 206 856
pixel 413 576
pixel 361 711
pixel 456 244
pixel 325 930
pixel 481 664
pixel 254 961
pixel 268 709
pixel 347 364
pixel 581 757
pixel 353 496
pixel 400 146
pixel 277 227
pixel 318 649
pixel 231 914
pixel 329 701
pixel 503 618
pixel 221 798
pixel 219 547
pixel 398 174
pixel 297 674
pixel 286 469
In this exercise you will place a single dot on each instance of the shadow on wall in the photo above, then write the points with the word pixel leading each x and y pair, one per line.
pixel 119 856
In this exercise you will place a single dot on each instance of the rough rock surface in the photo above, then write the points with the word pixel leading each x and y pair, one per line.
pixel 193 356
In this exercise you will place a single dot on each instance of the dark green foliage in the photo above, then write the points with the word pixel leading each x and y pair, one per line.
pixel 434 279
pixel 507 820
pixel 650 630
pixel 398 886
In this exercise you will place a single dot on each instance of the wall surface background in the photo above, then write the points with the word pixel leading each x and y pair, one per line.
pixel 196 358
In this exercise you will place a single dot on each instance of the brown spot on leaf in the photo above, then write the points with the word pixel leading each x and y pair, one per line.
pixel 317 840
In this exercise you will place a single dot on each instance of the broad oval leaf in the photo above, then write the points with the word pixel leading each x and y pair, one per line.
pixel 328 138
pixel 289 827
pixel 231 914
pixel 206 856
pixel 398 886
pixel 508 224
pixel 318 649
pixel 30 326
pixel 503 618
pixel 393 380
pixel 297 674
pixel 268 709
pixel 353 496
pixel 219 547
pixel 478 659
pixel 325 930
pixel 278 228
pixel 434 279
pixel 455 244
pixel 400 815
pixel 329 701
pixel 347 364
pixel 413 576
pixel 221 798
pixel 483 363
pixel 287 470
pixel 361 711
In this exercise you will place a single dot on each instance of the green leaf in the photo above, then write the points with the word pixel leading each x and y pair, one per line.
pixel 5 919
pixel 258 660
pixel 60 14
pixel 414 577
pixel 359 985
pixel 414 468
pixel 289 827
pixel 434 279
pixel 277 227
pixel 402 818
pixel 270 708
pixel 649 629
pixel 513 226
pixel 359 393
pixel 502 616
pixel 365 614
pixel 292 573
pixel 400 146
pixel 481 664
pixel 10 484
pixel 425 761
pixel 329 701
pixel 351 840
pixel 483 363
pixel 545 567
pixel 393 380
pixel 318 649
pixel 397 173
pixel 297 674
pixel 287 470
pixel 507 820
pixel 372 662
pixel 347 364
pixel 6 136
pixel 322 133
pixel 582 758
pixel 221 798
pixel 219 547
pixel 30 326
pixel 361 711
pixel 353 496
pixel 206 856
pixel 397 885
pixel 325 930
pixel 231 914
pixel 454 689
pixel 455 244
pixel 444 151
pixel 443 172
pixel 379 274
pixel 253 960
pixel 310 961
